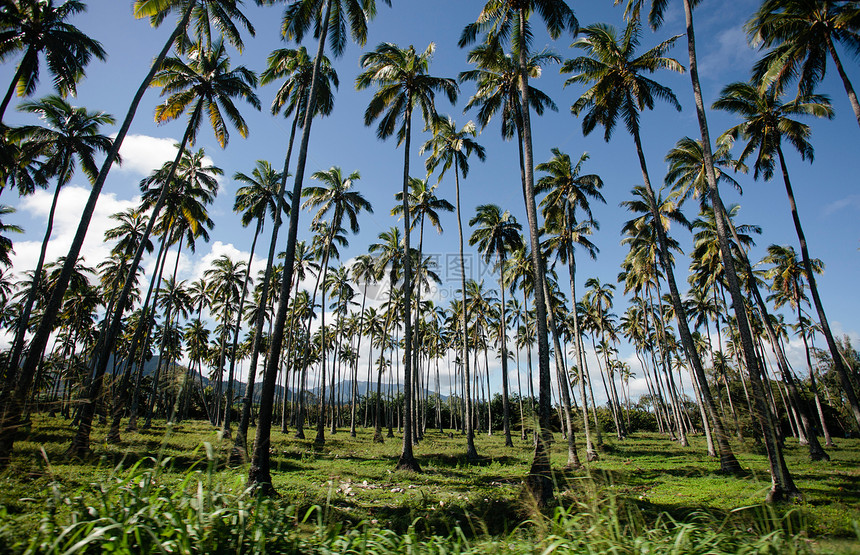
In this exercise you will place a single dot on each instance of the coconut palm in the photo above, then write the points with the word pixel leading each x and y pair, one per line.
pixel 502 21
pixel 70 138
pixel 767 122
pixel 335 196
pixel 451 147
pixel 41 28
pixel 257 198
pixel 801 34
pixel 404 85
pixel 498 233
pixel 221 13
pixel 620 90
pixel 206 83
pixel 658 8
pixel 330 19
pixel 568 190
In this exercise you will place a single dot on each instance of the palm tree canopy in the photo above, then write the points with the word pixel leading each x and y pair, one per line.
pixel 767 122
pixel 686 172
pixel 497 86
pixel 295 66
pixel 450 147
pixel 619 89
pixel 42 27
pixel 205 14
pixel 259 194
pixel 800 34
pixel 205 84
pixel 423 203
pixel 336 195
pixel 72 133
pixel 403 83
pixel 497 232
pixel 499 19
pixel 300 15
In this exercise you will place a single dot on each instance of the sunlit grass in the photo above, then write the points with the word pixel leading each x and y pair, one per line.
pixel 646 482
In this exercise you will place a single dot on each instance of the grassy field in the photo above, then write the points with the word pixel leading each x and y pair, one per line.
pixel 641 482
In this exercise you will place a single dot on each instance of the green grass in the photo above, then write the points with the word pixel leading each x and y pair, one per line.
pixel 647 486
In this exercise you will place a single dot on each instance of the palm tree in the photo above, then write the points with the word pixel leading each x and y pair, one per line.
pixel 205 84
pixel 801 34
pixel 225 278
pixel 335 195
pixel 767 122
pixel 568 190
pixel 656 19
pixel 787 284
pixel 5 242
pixel 256 199
pixel 404 84
pixel 42 28
pixel 452 147
pixel 496 235
pixel 502 20
pixel 221 13
pixel 330 19
pixel 71 137
pixel 619 90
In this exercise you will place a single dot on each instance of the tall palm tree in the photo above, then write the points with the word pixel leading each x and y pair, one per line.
pixel 801 35
pixel 330 19
pixel 620 90
pixel 42 28
pixel 205 84
pixel 404 84
pixel 508 20
pixel 567 191
pixel 71 137
pixel 219 13
pixel 498 233
pixel 336 196
pixel 257 199
pixel 451 147
pixel 656 14
pixel 767 122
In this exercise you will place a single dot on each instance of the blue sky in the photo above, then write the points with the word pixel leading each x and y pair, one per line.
pixel 827 190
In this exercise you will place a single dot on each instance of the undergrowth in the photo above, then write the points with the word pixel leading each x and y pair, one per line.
pixel 138 510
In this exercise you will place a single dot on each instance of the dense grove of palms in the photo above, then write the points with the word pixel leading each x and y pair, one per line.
pixel 91 338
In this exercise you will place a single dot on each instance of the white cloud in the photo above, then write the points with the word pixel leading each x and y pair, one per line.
pixel 142 154
pixel 730 51
pixel 851 201
pixel 70 205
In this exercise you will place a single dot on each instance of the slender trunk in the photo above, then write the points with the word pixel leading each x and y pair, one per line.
pixel 728 462
pixel 19 71
pixel 471 452
pixel 503 335
pixel 782 482
pixel 852 96
pixel 838 363
pixel 539 480
pixel 407 459
pixel 259 473
pixel 24 319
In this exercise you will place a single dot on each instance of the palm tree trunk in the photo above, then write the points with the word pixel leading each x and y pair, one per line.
pixel 26 60
pixel 728 463
pixel 503 335
pixel 407 459
pixel 10 406
pixel 852 96
pixel 590 453
pixel 241 441
pixel 471 452
pixel 24 319
pixel 844 379
pixel 259 473
pixel 782 482
pixel 539 480
pixel 225 428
